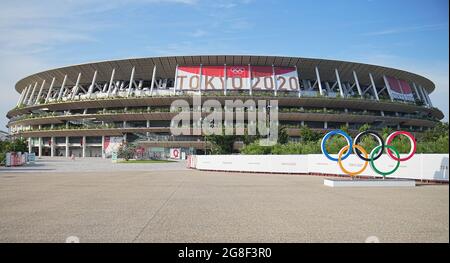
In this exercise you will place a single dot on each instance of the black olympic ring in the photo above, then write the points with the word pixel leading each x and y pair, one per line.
pixel 380 141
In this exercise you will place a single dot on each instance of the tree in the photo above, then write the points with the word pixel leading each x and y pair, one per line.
pixel 364 127
pixel 283 136
pixel 438 131
pixel 434 140
pixel 221 144
pixel 126 151
pixel 344 128
pixel 17 145
pixel 308 135
pixel 247 139
pixel 385 132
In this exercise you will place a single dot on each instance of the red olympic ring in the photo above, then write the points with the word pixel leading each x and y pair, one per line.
pixel 411 139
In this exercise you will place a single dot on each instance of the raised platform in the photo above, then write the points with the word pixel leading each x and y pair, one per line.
pixel 332 182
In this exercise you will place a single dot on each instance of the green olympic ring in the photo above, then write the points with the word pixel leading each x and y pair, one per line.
pixel 375 152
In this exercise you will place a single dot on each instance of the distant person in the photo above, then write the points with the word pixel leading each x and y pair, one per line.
pixel 72 157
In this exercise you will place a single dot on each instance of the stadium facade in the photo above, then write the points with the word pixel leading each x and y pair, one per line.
pixel 88 109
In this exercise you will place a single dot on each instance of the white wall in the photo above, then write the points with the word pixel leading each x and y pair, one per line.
pixel 421 166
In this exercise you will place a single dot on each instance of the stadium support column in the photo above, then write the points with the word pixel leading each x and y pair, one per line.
pixel 21 96
pixel 152 85
pixel 417 92
pixel 103 147
pixel 299 90
pixel 50 90
pixel 374 88
pixel 427 98
pixel 52 146
pixel 250 79
pixel 76 87
pixel 200 80
pixel 319 82
pixel 67 146
pixel 148 126
pixel 83 149
pixel 39 93
pixel 388 87
pixel 25 98
pixel 225 79
pixel 91 87
pixel 424 98
pixel 40 146
pixel 341 90
pixel 29 144
pixel 274 79
pixel 61 90
pixel 32 93
pixel 130 86
pixel 111 82
pixel 176 81
pixel 358 87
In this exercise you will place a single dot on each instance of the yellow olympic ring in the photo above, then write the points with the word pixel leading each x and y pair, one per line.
pixel 361 149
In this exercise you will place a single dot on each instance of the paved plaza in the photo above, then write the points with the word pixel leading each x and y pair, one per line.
pixel 98 201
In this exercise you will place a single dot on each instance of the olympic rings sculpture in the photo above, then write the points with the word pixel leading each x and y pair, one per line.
pixel 375 154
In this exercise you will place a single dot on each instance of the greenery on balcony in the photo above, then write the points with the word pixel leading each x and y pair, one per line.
pixel 230 93
pixel 167 109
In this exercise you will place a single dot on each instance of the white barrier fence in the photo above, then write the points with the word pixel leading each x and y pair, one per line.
pixel 433 167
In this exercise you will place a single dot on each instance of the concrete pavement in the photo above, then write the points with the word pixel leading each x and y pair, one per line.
pixel 168 203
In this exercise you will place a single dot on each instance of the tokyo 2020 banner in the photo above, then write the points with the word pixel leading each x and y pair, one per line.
pixel 236 78
pixel 400 89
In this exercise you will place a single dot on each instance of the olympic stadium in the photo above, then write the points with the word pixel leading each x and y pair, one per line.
pixel 86 110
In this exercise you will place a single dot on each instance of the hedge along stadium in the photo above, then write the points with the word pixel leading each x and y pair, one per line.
pixel 88 110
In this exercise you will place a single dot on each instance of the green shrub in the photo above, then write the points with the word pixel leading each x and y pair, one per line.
pixel 126 152
pixel 288 148
pixel 255 148
pixel 440 145
pixel 2 158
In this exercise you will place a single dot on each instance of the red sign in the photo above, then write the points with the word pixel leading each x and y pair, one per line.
pixel 236 78
pixel 175 153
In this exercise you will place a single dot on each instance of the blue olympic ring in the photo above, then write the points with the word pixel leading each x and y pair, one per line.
pixel 331 133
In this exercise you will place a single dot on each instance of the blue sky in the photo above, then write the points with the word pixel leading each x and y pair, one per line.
pixel 405 34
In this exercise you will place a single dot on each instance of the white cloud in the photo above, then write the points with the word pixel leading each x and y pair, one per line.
pixel 13 68
pixel 198 33
pixel 227 5
pixel 32 31
pixel 186 48
pixel 399 30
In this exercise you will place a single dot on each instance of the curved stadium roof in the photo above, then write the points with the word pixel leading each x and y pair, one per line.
pixel 166 69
